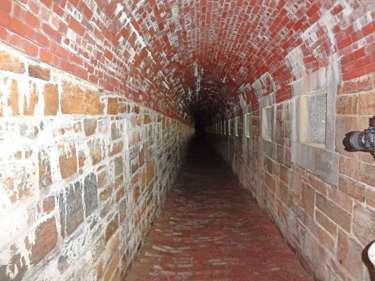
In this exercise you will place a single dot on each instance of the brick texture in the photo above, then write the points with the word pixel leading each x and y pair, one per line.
pixel 142 74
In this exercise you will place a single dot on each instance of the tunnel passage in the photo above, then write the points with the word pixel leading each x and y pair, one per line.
pixel 98 103
pixel 211 229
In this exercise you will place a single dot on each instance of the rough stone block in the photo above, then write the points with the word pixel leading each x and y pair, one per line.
pixel 270 181
pixel 37 71
pixel 96 147
pixel 134 138
pixel 68 161
pixel 349 255
pixel 90 194
pixel 352 188
pixel 358 170
pixel 116 148
pixel 346 105
pixel 334 212
pixel 71 208
pixel 119 166
pixel 150 172
pixel 317 184
pixel 45 176
pixel 112 267
pixel 327 224
pixel 111 228
pixel 308 199
pixel 89 126
pixel 51 99
pixel 13 99
pixel 45 240
pixel 10 63
pixel 75 100
pixel 340 199
pixel 112 106
pixel 116 130
pixel 30 102
pixel 363 224
pixel 366 103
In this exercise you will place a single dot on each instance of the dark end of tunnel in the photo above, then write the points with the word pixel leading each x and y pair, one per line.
pixel 200 137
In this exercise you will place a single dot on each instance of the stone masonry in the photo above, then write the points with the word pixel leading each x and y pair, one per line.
pixel 98 100
pixel 83 173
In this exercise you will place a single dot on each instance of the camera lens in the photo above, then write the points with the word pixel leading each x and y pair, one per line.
pixel 355 141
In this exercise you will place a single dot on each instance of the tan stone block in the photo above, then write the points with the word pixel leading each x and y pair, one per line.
pixel 95 147
pixel 111 228
pixel 112 106
pixel 10 63
pixel 150 172
pixel 349 255
pixel 317 184
pixel 352 188
pixel 48 204
pixel 51 99
pixel 119 165
pixel 366 103
pixel 102 178
pixel 308 199
pixel 104 194
pixel 89 126
pixel 334 212
pixel 370 196
pixel 45 176
pixel 112 267
pixel 270 181
pixel 346 105
pixel 116 148
pixel 30 102
pixel 37 71
pixel 119 181
pixel 363 224
pixel 347 87
pixel 68 162
pixel 358 170
pixel 74 100
pixel 326 223
pixel 366 83
pixel 13 99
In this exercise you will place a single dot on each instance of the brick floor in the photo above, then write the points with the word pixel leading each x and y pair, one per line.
pixel 211 229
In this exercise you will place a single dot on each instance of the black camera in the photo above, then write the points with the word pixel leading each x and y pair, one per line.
pixel 361 140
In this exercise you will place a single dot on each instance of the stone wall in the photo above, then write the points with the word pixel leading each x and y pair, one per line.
pixel 321 197
pixel 83 173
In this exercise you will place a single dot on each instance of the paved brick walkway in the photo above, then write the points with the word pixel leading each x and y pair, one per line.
pixel 211 229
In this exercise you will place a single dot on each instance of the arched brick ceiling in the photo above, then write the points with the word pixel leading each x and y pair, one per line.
pixel 211 52
pixel 185 58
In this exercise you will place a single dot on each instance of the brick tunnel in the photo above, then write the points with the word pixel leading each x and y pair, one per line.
pixel 99 101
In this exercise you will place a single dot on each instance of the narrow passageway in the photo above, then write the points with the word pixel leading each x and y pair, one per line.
pixel 211 229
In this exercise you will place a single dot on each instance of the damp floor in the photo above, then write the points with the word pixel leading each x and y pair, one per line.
pixel 211 229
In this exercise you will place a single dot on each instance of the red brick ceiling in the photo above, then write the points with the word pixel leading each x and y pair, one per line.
pixel 190 57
